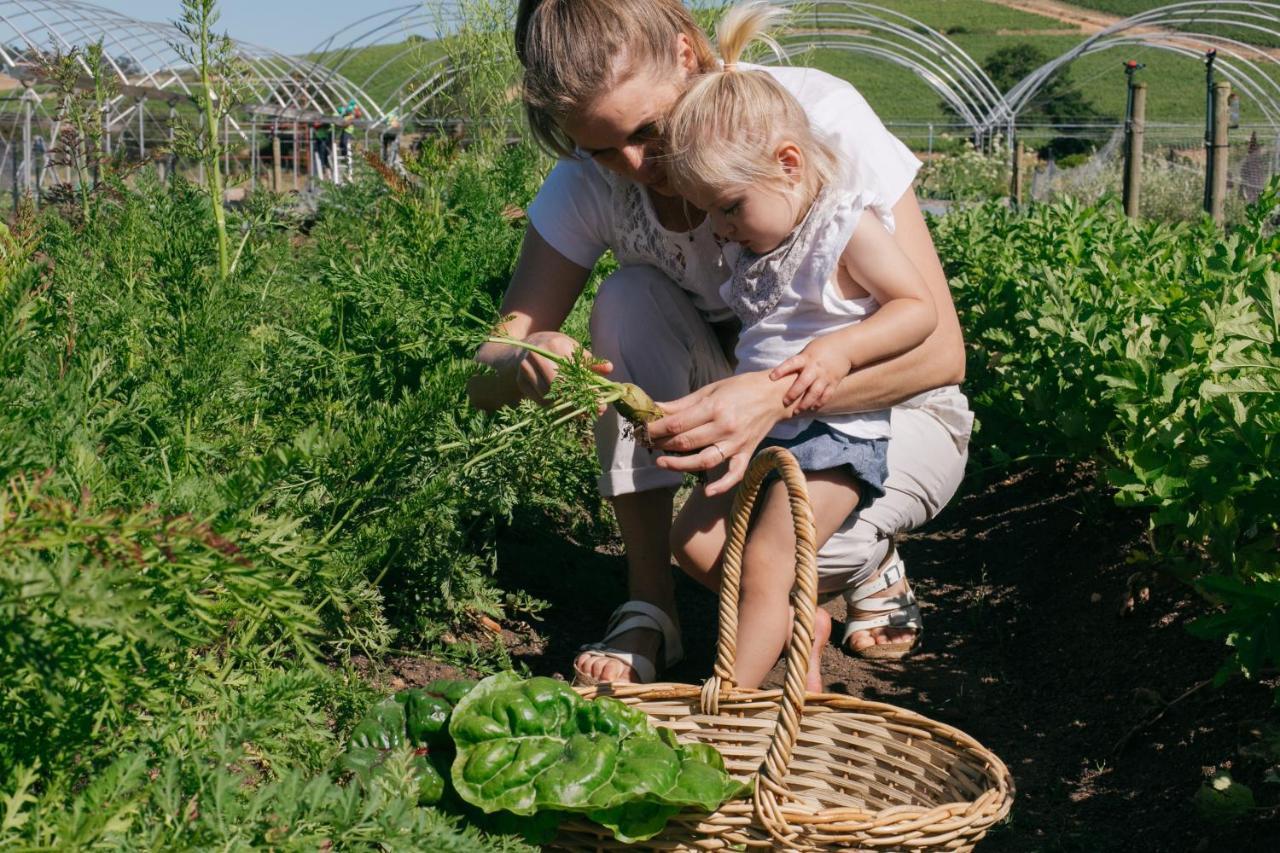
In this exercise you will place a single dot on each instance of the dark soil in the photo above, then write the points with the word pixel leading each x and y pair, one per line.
pixel 1039 642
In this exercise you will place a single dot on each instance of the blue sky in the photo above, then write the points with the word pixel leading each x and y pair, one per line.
pixel 290 26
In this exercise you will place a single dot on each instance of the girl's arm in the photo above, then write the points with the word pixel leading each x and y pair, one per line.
pixel 729 418
pixel 906 317
pixel 938 361
pixel 541 294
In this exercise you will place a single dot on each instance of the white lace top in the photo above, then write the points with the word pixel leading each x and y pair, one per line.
pixel 583 209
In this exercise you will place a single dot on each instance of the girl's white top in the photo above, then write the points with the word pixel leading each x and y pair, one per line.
pixel 794 297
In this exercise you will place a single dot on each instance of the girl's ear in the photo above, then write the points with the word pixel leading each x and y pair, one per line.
pixel 686 56
pixel 791 160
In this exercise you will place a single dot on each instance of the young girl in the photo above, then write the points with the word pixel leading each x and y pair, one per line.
pixel 821 289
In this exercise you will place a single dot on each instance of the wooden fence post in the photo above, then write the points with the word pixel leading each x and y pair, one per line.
pixel 1216 172
pixel 276 185
pixel 1015 181
pixel 1136 127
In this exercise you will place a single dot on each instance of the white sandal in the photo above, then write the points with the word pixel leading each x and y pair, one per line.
pixel 629 616
pixel 896 611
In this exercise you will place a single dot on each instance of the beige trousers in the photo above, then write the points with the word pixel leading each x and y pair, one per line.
pixel 648 327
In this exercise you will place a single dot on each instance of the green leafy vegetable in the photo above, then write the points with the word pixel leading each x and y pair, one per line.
pixel 382 728
pixel 1223 800
pixel 529 746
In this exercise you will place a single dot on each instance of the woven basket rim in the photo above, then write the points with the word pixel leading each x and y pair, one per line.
pixel 815 703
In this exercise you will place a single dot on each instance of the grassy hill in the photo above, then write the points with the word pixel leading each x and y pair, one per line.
pixel 903 99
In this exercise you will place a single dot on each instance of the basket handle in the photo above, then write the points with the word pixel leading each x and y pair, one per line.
pixel 770 787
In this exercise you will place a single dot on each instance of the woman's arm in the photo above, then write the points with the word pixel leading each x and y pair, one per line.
pixel 541 294
pixel 936 362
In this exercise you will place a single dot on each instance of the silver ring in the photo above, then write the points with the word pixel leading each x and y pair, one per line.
pixel 718 450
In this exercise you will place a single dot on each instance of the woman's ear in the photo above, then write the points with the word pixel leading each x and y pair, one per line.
pixel 791 160
pixel 686 56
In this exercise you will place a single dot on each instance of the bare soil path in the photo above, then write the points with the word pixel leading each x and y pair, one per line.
pixel 1088 20
pixel 1091 21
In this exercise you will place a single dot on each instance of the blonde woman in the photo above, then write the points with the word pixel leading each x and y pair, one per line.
pixel 601 77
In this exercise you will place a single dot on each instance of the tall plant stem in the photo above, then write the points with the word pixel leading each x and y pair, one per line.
pixel 212 147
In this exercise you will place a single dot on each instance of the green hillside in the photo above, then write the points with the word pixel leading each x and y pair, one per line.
pixel 901 97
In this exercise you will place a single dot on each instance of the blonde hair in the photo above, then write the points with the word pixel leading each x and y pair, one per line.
pixel 725 131
pixel 572 49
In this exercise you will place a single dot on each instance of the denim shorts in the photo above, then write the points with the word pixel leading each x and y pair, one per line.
pixel 821 448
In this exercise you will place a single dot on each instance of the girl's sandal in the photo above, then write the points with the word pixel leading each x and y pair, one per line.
pixel 895 611
pixel 629 616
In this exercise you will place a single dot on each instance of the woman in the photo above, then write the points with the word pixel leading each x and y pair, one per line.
pixel 600 77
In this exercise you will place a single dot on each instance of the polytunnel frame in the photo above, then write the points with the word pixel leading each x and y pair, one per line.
pixel 937 60
pixel 280 85
pixel 1233 56
pixel 905 41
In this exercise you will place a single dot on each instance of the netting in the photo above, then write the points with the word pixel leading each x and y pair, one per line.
pixel 1173 170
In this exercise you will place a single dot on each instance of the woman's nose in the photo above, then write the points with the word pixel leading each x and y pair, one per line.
pixel 634 156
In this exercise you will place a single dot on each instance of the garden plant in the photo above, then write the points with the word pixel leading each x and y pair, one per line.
pixel 233 483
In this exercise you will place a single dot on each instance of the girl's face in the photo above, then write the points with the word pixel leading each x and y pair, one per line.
pixel 621 129
pixel 759 217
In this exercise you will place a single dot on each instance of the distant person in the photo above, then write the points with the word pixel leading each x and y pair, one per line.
pixel 391 140
pixel 322 134
pixel 346 135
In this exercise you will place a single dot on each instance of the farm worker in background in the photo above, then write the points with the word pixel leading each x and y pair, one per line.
pixel 821 289
pixel 601 77
pixel 349 113
pixel 391 140
pixel 322 133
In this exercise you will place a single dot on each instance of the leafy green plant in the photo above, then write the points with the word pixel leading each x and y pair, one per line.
pixel 81 118
pixel 536 746
pixel 1153 349
pixel 966 174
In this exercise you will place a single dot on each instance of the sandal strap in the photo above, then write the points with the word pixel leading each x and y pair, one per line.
pixel 899 611
pixel 891 574
pixel 634 614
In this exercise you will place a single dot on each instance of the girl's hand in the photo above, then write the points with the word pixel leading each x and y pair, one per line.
pixel 720 423
pixel 818 369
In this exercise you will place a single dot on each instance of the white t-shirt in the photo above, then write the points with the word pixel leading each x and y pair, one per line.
pixel 584 209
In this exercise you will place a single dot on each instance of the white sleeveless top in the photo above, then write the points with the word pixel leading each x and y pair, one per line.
pixel 790 296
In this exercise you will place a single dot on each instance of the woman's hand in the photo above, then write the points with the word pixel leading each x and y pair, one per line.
pixel 723 422
pixel 534 374
pixel 818 369
pixel 525 372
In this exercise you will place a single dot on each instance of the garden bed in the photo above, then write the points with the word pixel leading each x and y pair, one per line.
pixel 1023 581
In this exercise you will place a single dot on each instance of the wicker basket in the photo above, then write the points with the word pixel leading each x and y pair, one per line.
pixel 830 772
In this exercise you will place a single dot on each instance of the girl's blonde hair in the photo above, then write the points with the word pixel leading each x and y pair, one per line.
pixel 575 50
pixel 725 131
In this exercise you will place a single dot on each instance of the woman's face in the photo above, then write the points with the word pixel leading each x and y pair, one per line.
pixel 620 130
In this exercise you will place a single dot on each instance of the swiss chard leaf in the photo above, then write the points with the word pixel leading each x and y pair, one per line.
pixel 535 745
